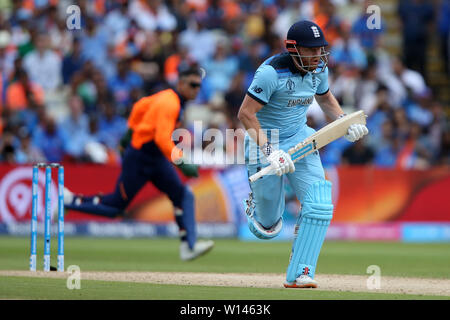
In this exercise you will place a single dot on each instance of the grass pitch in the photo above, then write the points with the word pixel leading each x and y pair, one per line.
pixel 229 256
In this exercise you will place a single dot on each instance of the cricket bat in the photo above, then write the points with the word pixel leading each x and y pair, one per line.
pixel 324 136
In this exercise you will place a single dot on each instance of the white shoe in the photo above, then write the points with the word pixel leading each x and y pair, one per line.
pixel 304 281
pixel 200 248
pixel 68 198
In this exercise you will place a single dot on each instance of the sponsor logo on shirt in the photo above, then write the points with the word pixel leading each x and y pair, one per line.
pixel 257 89
pixel 304 101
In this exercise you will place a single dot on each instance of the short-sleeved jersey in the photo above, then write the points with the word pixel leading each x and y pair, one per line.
pixel 154 118
pixel 286 95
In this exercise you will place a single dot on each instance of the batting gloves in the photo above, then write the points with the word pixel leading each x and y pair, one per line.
pixel 281 162
pixel 356 132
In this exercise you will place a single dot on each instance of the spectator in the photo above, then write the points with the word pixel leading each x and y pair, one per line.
pixel 155 38
pixel 288 15
pixel 437 127
pixel 127 44
pixel 181 56
pixel 27 152
pixel 358 154
pixel 386 156
pixel 43 65
pixel 123 83
pixel 343 84
pixel 250 59
pixel 94 44
pixel 23 93
pixel 20 34
pixel 221 69
pixel 347 51
pixel 151 15
pixel 444 155
pixel 94 150
pixel 199 41
pixel 416 17
pixel 72 62
pixel 402 124
pixel 327 20
pixel 111 127
pixel 411 79
pixel 150 63
pixel 351 10
pixel 215 15
pixel 49 138
pixel 118 21
pixel 415 153
pixel 444 32
pixel 180 10
pixel 235 95
pixel 7 148
pixel 385 137
pixel 75 128
pixel 7 55
pixel 416 112
pixel 366 89
pixel 60 40
pixel 368 38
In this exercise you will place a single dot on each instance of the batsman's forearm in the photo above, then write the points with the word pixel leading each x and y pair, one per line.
pixel 251 124
pixel 330 106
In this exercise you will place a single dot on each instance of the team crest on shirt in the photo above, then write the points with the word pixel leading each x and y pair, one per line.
pixel 303 101
pixel 290 86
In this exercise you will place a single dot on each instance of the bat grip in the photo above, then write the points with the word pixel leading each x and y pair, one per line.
pixel 265 171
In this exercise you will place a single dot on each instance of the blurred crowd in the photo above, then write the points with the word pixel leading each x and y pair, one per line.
pixel 69 76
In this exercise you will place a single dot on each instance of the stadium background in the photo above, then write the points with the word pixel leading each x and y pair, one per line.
pixel 65 96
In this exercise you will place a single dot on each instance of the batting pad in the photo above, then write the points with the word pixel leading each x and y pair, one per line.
pixel 262 233
pixel 311 228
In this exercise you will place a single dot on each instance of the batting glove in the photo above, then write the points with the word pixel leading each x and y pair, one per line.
pixel 281 162
pixel 356 132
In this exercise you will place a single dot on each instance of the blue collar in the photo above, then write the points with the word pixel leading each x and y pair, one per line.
pixel 182 99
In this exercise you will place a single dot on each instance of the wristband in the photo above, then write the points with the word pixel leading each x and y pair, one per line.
pixel 267 149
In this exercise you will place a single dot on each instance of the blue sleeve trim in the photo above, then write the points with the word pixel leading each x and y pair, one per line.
pixel 321 94
pixel 256 98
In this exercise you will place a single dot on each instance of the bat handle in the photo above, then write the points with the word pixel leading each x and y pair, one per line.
pixel 265 171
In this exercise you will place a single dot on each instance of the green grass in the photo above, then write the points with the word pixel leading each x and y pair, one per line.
pixel 39 288
pixel 395 259
pixel 94 254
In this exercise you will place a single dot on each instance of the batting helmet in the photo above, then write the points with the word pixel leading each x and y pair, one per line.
pixel 309 35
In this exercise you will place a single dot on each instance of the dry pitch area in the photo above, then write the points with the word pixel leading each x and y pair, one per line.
pixel 328 282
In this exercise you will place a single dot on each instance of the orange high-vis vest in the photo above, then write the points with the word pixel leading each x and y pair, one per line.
pixel 154 118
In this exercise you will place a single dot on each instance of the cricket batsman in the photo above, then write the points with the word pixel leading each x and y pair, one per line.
pixel 148 158
pixel 277 101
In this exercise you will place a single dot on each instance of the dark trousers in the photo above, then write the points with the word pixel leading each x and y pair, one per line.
pixel 139 167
